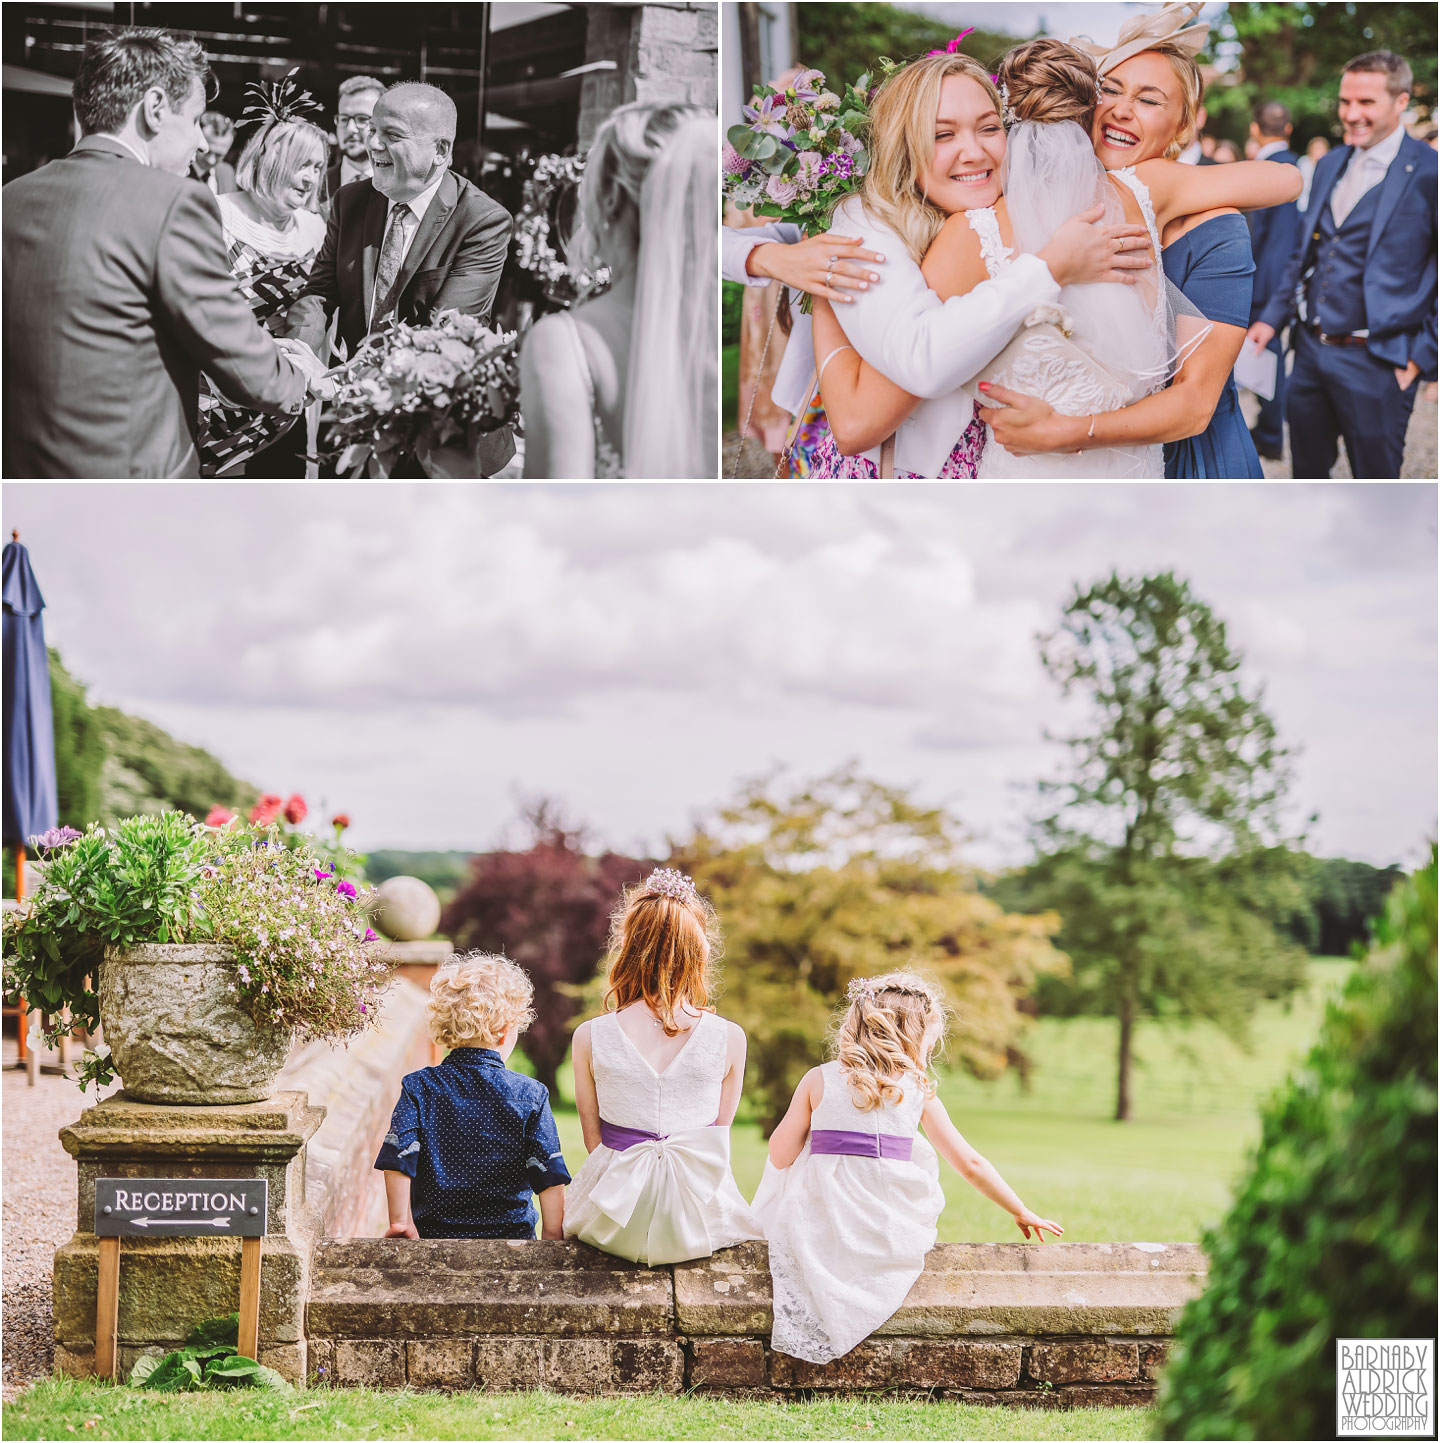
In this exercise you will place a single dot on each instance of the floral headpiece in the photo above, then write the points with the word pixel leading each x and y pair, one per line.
pixel 1170 23
pixel 283 100
pixel 670 883
pixel 861 986
pixel 865 987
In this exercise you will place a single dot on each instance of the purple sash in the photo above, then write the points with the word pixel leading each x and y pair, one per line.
pixel 618 1138
pixel 830 1142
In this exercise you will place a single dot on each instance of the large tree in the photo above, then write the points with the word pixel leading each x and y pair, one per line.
pixel 1162 844
pixel 846 878
pixel 548 908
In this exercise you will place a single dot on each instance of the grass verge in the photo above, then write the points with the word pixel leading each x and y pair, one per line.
pixel 63 1408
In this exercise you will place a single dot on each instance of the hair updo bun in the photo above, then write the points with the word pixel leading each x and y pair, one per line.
pixel 1048 81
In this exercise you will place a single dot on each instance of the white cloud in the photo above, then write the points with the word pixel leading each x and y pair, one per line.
pixel 418 653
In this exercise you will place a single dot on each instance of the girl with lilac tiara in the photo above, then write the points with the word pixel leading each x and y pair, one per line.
pixel 851 1193
pixel 657 1083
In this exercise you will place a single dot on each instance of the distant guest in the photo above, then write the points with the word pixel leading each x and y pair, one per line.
pixel 358 98
pixel 1224 152
pixel 210 165
pixel 1315 152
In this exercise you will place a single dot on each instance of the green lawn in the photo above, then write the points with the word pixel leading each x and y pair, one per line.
pixel 94 1410
pixel 1160 1178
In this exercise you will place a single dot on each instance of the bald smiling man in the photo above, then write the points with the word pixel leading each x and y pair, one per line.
pixel 413 239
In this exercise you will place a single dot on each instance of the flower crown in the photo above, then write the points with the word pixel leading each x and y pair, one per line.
pixel 670 883
pixel 865 987
pixel 283 100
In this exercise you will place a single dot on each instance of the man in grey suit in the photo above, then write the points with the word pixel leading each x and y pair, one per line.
pixel 117 290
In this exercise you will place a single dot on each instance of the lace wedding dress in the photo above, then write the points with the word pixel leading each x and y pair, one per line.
pixel 848 1235
pixel 661 1190
pixel 1104 346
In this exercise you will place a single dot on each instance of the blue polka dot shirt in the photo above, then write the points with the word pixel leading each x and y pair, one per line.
pixel 478 1140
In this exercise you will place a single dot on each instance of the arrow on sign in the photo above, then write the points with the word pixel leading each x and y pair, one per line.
pixel 181 1222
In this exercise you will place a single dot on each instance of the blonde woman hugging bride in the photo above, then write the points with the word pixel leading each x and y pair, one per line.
pixel 970 210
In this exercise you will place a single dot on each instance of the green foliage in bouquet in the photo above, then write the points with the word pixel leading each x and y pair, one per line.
pixel 417 389
pixel 208 1360
pixel 801 151
pixel 300 932
pixel 1333 1232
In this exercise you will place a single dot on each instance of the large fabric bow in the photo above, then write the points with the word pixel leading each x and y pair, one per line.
pixel 1144 31
pixel 676 1178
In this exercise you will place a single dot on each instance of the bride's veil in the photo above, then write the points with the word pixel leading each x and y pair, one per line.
pixel 671 408
pixel 1139 333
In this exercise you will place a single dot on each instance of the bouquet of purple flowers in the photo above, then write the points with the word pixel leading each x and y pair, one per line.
pixel 801 151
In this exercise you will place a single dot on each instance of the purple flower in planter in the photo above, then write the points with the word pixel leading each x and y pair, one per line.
pixel 321 876
pixel 370 935
pixel 55 837
pixel 345 889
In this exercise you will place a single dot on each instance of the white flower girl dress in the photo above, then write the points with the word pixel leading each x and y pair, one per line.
pixel 849 1221
pixel 659 1188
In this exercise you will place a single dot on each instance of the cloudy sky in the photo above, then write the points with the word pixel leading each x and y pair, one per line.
pixel 423 656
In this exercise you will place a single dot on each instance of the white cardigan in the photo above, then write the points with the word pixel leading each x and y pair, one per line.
pixel 902 328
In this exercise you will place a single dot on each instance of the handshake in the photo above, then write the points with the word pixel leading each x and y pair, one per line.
pixel 318 383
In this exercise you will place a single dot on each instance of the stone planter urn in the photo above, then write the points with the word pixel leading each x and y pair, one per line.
pixel 177 1030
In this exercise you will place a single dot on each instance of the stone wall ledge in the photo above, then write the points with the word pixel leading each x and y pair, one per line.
pixel 1100 1372
pixel 1034 1325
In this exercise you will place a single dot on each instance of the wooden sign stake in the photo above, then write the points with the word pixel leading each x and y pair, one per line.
pixel 157 1207
pixel 107 1308
pixel 249 1340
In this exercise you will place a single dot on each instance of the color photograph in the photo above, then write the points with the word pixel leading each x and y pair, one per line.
pixel 1183 241
pixel 512 961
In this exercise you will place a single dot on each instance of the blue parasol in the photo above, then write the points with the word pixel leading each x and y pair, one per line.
pixel 29 731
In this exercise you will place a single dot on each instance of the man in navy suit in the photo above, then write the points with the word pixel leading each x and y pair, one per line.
pixel 1273 233
pixel 1366 260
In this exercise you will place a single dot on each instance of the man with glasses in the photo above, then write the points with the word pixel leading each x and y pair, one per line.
pixel 358 97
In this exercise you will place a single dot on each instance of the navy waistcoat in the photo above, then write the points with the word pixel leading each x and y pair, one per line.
pixel 1335 294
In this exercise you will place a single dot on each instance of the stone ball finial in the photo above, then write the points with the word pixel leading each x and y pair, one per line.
pixel 406 909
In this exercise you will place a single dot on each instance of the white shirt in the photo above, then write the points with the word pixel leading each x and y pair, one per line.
pixel 1192 153
pixel 417 207
pixel 1271 147
pixel 133 149
pixel 354 170
pixel 1367 168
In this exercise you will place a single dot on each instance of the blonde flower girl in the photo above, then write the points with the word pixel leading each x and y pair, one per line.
pixel 851 1193
pixel 657 1083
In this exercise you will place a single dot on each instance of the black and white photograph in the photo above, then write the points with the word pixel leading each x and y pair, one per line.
pixel 299 240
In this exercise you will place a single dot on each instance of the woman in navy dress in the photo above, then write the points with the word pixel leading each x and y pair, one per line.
pixel 1213 265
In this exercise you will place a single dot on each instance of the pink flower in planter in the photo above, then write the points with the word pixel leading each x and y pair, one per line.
pixel 322 876
pixel 370 935
pixel 345 889
pixel 296 810
pixel 218 816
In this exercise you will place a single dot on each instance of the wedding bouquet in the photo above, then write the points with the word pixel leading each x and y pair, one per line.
pixel 801 152
pixel 421 388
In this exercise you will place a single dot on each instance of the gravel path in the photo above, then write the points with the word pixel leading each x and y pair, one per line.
pixel 39 1214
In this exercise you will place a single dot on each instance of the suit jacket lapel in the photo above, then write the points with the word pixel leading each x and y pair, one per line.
pixel 371 239
pixel 1391 189
pixel 442 205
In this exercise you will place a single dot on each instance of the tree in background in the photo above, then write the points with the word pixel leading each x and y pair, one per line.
pixel 79 748
pixel 109 765
pixel 847 878
pixel 1294 53
pixel 1344 899
pixel 547 908
pixel 844 41
pixel 1332 1234
pixel 1161 854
